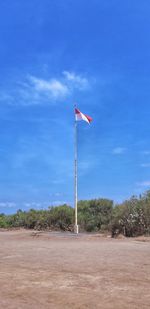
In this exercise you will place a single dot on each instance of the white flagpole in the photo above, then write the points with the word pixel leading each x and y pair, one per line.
pixel 76 229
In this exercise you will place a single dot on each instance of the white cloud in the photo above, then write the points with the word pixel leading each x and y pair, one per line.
pixel 52 87
pixel 38 90
pixel 118 150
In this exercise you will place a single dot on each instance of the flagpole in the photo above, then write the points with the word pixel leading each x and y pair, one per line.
pixel 76 229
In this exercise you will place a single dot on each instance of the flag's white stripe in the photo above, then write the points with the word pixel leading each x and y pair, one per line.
pixel 80 116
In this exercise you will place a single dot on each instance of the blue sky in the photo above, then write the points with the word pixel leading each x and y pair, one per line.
pixel 56 53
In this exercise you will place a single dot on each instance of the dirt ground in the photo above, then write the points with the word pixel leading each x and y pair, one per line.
pixel 44 270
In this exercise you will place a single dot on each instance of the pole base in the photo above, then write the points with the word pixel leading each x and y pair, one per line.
pixel 76 229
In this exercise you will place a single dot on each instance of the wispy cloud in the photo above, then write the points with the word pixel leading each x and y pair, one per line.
pixel 144 183
pixel 38 90
pixel 57 203
pixel 77 81
pixel 7 205
pixel 118 150
pixel 13 207
pixel 34 205
pixel 146 152
pixel 145 165
pixel 86 165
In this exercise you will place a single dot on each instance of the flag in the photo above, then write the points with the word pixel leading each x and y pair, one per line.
pixel 81 116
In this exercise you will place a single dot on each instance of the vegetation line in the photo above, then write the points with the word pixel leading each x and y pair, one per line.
pixel 130 218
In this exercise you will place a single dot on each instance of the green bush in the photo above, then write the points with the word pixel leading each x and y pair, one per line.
pixel 131 218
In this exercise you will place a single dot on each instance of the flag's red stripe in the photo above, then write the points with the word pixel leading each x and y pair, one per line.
pixel 89 118
pixel 77 111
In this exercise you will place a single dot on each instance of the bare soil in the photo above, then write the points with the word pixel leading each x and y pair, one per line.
pixel 54 270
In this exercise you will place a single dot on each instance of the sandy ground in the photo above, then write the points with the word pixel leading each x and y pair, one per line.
pixel 63 271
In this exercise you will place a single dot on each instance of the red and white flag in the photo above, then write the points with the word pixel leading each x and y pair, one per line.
pixel 81 116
